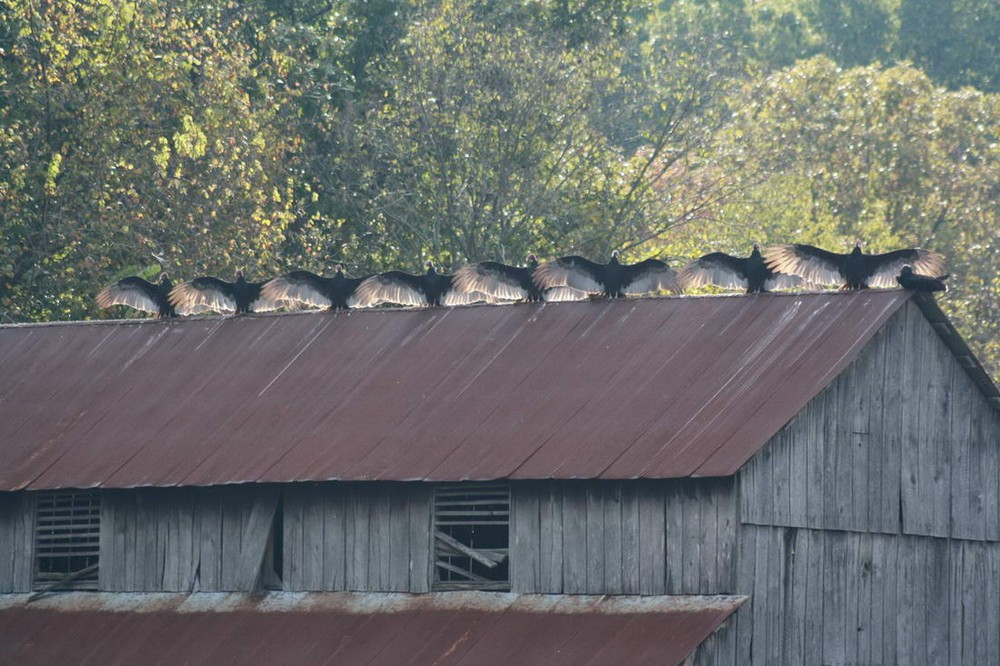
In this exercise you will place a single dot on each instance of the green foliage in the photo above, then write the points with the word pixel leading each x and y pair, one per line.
pixel 201 138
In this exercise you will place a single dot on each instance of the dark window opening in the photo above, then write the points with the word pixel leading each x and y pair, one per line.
pixel 272 573
pixel 471 537
pixel 67 540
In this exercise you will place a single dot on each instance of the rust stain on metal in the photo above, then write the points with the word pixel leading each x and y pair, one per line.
pixel 316 628
pixel 655 388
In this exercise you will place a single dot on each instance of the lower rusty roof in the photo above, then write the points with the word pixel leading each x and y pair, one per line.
pixel 655 388
pixel 349 628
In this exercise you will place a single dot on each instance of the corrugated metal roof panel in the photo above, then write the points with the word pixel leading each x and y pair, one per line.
pixel 661 388
pixel 349 628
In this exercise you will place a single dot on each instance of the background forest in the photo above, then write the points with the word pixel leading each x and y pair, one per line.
pixel 201 137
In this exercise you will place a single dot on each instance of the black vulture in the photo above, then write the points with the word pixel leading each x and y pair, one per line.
pixel 139 294
pixel 612 280
pixel 907 279
pixel 401 288
pixel 336 293
pixel 211 293
pixel 729 272
pixel 509 283
pixel 855 270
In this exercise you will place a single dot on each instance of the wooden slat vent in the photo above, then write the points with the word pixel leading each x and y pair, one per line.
pixel 67 540
pixel 471 537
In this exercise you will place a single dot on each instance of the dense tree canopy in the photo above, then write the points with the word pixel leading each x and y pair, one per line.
pixel 205 137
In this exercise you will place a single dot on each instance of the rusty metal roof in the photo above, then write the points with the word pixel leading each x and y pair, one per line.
pixel 347 628
pixel 658 387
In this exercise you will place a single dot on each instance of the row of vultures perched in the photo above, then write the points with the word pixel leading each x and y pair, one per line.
pixel 788 266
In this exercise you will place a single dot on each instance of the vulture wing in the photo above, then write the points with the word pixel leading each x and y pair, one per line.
pixel 392 287
pixel 883 268
pixel 259 302
pixel 563 294
pixel 204 293
pixel 133 292
pixel 507 283
pixel 573 271
pixel 649 276
pixel 716 268
pixel 812 264
pixel 300 287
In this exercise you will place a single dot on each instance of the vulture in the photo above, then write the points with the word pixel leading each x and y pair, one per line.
pixel 139 294
pixel 210 293
pixel 336 293
pixel 907 279
pixel 729 272
pixel 852 271
pixel 509 283
pixel 401 288
pixel 611 280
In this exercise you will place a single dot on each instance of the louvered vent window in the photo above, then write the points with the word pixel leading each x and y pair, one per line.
pixel 471 537
pixel 67 540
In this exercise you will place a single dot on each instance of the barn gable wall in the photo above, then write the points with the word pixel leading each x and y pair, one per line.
pixel 627 537
pixel 901 442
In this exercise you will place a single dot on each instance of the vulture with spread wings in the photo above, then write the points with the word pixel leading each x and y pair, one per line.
pixel 908 279
pixel 140 294
pixel 309 289
pixel 510 283
pixel 210 293
pixel 729 272
pixel 855 270
pixel 611 280
pixel 401 288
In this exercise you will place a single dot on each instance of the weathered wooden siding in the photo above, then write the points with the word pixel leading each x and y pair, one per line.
pixel 901 442
pixel 358 537
pixel 623 537
pixel 183 539
pixel 16 542
pixel 832 597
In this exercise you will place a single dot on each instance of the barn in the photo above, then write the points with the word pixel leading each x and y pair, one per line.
pixel 778 478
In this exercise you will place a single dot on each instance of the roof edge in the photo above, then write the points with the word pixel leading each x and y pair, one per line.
pixel 957 345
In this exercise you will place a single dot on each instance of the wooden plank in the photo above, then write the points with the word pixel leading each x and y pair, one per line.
pixel 887 485
pixel 906 617
pixel 24 543
pixel 613 537
pixel 794 509
pixel 594 499
pixel 745 578
pixel 652 544
pixel 814 545
pixel 107 543
pixel 852 592
pixel 839 457
pixel 855 409
pixel 313 535
pixel 692 543
pixel 778 496
pixel 166 512
pixel 751 507
pixel 762 592
pixel 987 433
pixel 186 555
pixel 776 597
pixel 334 553
pixel 866 631
pixel 235 500
pixel 255 535
pixel 293 505
pixel 574 538
pixel 796 586
pixel 725 536
pixel 816 463
pixel 525 530
pixel 420 498
pixel 630 538
pixel 357 537
pixel 379 540
pixel 123 500
pixel 399 537
pixel 674 536
pixel 871 519
pixel 967 511
pixel 936 441
pixel 936 578
pixel 129 534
